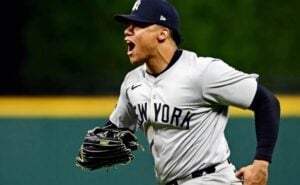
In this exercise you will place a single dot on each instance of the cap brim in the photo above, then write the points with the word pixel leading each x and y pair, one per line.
pixel 125 19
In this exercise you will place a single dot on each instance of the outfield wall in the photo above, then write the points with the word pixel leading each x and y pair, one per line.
pixel 99 106
pixel 39 148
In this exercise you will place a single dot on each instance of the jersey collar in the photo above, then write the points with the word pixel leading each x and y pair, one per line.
pixel 174 59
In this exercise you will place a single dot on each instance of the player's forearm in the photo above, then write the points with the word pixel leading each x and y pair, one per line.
pixel 267 115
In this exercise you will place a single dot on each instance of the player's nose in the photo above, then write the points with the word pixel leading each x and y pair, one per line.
pixel 128 30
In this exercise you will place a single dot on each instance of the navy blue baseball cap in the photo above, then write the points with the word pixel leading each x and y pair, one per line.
pixel 147 12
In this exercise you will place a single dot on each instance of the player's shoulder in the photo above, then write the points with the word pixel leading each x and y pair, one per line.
pixel 202 61
pixel 193 56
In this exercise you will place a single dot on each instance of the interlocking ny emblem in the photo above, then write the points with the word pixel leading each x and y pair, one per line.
pixel 136 5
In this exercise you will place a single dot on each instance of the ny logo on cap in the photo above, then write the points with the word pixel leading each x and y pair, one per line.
pixel 136 5
pixel 162 18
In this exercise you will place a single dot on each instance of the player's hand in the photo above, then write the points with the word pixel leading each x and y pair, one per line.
pixel 254 174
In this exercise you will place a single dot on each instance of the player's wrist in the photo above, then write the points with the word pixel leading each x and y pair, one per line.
pixel 261 163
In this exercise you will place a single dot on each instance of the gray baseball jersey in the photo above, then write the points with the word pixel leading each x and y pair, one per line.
pixel 184 111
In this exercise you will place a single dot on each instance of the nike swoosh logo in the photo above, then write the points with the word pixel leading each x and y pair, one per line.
pixel 135 86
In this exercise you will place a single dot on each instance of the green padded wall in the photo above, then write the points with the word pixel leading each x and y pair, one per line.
pixel 42 152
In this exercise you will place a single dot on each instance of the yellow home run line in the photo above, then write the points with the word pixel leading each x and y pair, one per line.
pixel 99 106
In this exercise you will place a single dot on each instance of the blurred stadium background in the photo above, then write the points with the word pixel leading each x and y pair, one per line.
pixel 62 63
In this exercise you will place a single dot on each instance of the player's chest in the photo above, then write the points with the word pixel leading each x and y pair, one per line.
pixel 174 92
pixel 167 101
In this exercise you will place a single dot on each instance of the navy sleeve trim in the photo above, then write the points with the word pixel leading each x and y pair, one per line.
pixel 266 109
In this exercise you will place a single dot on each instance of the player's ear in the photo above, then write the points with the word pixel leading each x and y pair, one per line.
pixel 163 34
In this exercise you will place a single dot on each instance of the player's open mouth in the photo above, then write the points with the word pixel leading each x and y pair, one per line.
pixel 130 46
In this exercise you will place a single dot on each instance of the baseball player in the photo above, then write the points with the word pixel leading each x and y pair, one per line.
pixel 180 100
